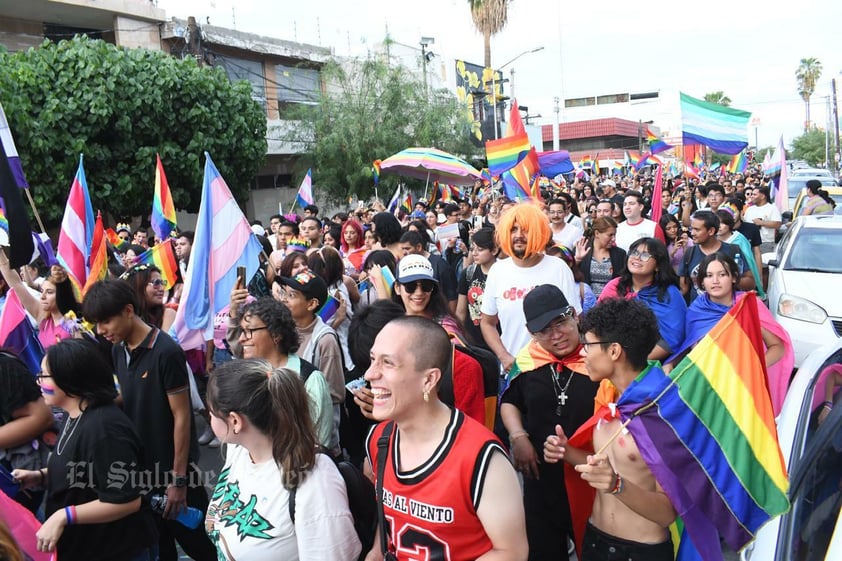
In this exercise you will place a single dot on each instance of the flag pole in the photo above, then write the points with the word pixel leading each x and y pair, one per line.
pixel 35 211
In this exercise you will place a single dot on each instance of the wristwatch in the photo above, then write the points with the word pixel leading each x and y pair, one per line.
pixel 180 481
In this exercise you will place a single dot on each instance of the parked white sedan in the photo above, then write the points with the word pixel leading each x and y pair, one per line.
pixel 805 283
pixel 812 529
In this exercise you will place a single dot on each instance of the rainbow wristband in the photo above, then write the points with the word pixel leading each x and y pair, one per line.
pixel 70 514
pixel 828 404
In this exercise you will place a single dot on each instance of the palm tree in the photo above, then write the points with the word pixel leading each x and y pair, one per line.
pixel 808 73
pixel 490 17
pixel 718 97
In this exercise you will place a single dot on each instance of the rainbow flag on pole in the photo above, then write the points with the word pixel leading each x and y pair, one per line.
pixel 119 243
pixel 506 153
pixel 738 163
pixel 98 256
pixel 656 144
pixel 707 432
pixel 163 211
pixel 163 257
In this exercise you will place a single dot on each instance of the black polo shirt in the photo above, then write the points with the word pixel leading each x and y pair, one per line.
pixel 156 368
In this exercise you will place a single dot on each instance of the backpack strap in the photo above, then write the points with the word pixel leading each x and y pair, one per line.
pixel 382 453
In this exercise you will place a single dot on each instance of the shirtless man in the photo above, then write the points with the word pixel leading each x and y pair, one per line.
pixel 631 513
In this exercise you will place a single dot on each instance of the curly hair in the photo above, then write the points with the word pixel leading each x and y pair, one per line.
pixel 278 320
pixel 276 404
pixel 532 221
pixel 664 274
pixel 628 322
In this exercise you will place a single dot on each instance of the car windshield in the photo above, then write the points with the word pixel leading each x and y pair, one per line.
pixel 817 250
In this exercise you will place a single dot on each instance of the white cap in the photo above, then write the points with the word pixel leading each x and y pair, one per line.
pixel 608 182
pixel 258 230
pixel 415 267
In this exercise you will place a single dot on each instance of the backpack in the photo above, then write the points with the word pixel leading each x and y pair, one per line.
pixel 490 377
pixel 361 501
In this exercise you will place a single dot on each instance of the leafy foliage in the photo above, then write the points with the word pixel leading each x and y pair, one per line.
pixel 119 107
pixel 370 111
pixel 718 97
pixel 807 74
pixel 810 147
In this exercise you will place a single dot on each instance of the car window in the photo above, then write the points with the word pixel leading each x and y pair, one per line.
pixel 816 249
pixel 815 478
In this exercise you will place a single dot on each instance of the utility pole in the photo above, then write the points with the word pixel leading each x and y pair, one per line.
pixel 556 132
pixel 838 156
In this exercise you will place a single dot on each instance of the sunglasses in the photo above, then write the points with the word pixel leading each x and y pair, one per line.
pixel 158 283
pixel 426 286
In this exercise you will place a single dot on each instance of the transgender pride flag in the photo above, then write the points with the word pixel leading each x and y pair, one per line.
pixel 305 192
pixel 223 242
pixel 77 230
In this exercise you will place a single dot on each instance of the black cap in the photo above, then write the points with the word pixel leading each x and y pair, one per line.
pixel 309 284
pixel 542 305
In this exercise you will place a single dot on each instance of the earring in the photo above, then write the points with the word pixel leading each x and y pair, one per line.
pixel 426 396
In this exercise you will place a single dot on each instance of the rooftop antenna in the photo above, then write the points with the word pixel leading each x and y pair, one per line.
pixel 233 16
pixel 319 29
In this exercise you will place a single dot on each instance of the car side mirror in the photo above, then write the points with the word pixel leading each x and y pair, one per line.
pixel 786 216
pixel 773 263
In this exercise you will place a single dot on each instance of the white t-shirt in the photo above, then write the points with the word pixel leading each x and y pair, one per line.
pixel 507 285
pixel 766 212
pixel 568 237
pixel 248 517
pixel 628 234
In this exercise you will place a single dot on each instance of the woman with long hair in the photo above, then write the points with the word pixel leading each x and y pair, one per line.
pixel 45 309
pixel 729 234
pixel 718 277
pixel 372 276
pixel 598 256
pixel 678 240
pixel 262 415
pixel 818 201
pixel 327 263
pixel 649 277
pixel 352 245
pixel 88 516
pixel 151 291
pixel 484 252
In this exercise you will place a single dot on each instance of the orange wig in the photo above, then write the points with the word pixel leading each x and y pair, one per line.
pixel 532 220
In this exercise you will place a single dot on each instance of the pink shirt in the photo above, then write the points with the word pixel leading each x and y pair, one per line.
pixel 50 333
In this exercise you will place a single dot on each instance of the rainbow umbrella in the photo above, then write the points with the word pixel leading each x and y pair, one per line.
pixel 431 164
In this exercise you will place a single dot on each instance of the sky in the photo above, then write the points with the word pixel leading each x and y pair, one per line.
pixel 745 48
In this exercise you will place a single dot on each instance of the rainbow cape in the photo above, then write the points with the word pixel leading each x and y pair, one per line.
pixel 163 257
pixel 707 432
pixel 506 153
pixel 163 211
pixel 533 356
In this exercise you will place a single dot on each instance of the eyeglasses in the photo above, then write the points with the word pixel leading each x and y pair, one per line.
pixel 642 255
pixel 249 331
pixel 586 344
pixel 157 283
pixel 426 286
pixel 42 376
pixel 562 323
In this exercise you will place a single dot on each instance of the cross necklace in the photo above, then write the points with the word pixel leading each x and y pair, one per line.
pixel 561 393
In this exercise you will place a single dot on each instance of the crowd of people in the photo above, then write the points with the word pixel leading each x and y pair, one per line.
pixel 367 337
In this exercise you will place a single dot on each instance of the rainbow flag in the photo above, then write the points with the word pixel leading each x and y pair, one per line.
pixel 506 153
pixel 596 169
pixel 98 256
pixel 698 162
pixel 4 222
pixel 738 163
pixel 586 162
pixel 119 243
pixel 163 211
pixel 636 160
pixel 618 167
pixel 656 144
pixel 517 182
pixel 406 203
pixel 329 309
pixel 163 257
pixel 17 334
pixel 707 432
pixel 375 171
pixel 446 194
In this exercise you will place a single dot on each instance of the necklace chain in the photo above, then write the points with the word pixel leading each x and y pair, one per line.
pixel 59 447
pixel 561 393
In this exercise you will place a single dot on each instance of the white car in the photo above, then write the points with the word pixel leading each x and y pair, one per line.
pixel 812 529
pixel 818 173
pixel 805 283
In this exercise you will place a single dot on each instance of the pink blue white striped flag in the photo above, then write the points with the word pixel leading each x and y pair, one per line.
pixel 223 241
pixel 77 230
pixel 305 192
pixel 11 151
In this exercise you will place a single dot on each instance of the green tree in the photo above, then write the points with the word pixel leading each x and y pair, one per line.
pixel 718 97
pixel 119 107
pixel 810 147
pixel 808 73
pixel 371 110
pixel 490 17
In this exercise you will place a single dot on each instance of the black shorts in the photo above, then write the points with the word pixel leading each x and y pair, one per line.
pixel 599 546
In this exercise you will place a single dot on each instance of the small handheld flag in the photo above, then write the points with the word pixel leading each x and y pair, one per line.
pixel 163 212
pixel 305 192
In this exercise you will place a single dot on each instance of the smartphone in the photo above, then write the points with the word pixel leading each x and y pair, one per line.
pixel 241 276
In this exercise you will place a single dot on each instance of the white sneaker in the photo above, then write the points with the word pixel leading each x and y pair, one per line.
pixel 214 443
pixel 206 437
